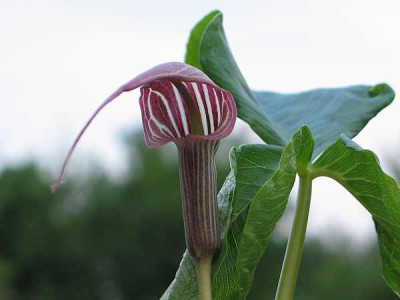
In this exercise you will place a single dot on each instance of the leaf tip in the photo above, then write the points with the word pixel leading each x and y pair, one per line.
pixel 349 143
pixel 232 158
pixel 192 56
pixel 381 89
pixel 304 129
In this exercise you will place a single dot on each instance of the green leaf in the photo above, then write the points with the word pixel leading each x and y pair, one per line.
pixel 253 165
pixel 208 50
pixel 262 177
pixel 360 173
pixel 275 117
pixel 328 112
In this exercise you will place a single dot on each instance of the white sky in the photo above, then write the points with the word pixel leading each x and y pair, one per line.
pixel 60 59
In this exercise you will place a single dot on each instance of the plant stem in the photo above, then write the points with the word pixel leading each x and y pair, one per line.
pixel 294 250
pixel 203 269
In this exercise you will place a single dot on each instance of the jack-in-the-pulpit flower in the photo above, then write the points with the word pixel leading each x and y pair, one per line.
pixel 195 116
pixel 181 104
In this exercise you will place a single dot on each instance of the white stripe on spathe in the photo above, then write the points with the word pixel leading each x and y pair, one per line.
pixel 218 109
pixel 201 108
pixel 153 136
pixel 209 108
pixel 169 112
pixel 228 112
pixel 161 126
pixel 181 109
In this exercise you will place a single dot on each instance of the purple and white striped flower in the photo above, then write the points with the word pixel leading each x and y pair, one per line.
pixel 181 104
pixel 170 112
pixel 166 107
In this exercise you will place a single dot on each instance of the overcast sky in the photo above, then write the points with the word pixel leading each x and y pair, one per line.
pixel 60 59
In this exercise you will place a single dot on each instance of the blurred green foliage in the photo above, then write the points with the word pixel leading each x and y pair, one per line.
pixel 101 239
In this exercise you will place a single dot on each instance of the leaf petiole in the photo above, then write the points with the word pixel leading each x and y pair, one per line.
pixel 294 250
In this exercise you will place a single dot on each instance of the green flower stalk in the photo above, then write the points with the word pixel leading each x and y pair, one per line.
pixel 181 104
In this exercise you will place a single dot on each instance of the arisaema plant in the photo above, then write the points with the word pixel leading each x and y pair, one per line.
pixel 307 135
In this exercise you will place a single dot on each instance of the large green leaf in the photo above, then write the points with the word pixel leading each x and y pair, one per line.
pixel 208 50
pixel 275 117
pixel 253 165
pixel 359 172
pixel 262 177
pixel 328 112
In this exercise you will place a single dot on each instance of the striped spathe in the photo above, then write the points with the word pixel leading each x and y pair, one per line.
pixel 165 111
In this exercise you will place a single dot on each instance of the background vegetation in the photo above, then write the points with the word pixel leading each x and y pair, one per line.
pixel 100 239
